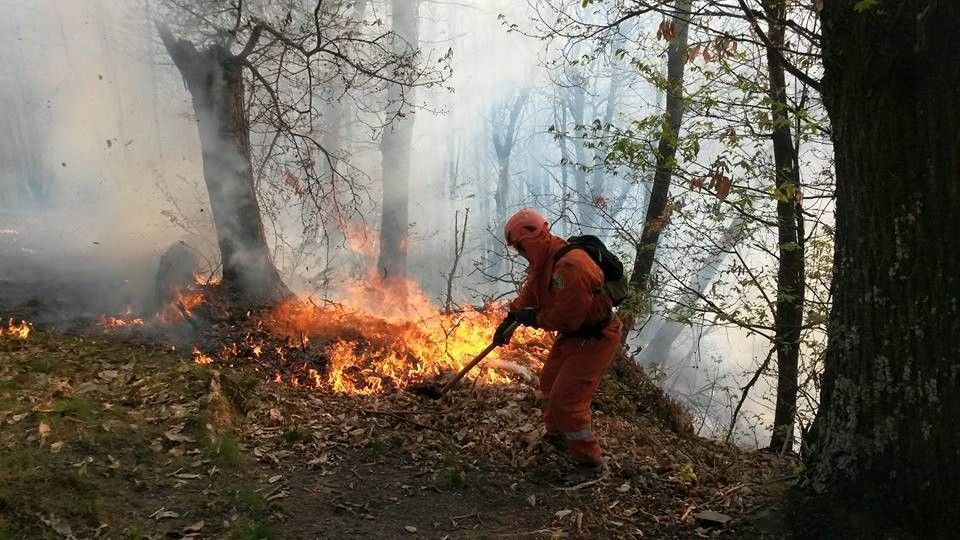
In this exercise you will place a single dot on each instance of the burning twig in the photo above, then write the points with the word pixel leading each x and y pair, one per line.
pixel 186 314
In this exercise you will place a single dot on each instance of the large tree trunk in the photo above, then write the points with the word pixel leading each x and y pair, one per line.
pixel 215 80
pixel 656 217
pixel 788 314
pixel 887 424
pixel 395 152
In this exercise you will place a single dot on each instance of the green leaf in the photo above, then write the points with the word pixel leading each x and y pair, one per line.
pixel 862 6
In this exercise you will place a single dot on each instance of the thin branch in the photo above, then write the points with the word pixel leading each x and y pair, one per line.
pixel 746 390
pixel 796 72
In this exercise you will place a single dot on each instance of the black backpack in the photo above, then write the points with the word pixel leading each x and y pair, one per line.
pixel 616 283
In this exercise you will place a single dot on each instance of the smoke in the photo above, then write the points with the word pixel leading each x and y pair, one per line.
pixel 104 119
pixel 115 142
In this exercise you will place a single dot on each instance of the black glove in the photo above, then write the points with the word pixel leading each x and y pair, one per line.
pixel 504 331
pixel 525 316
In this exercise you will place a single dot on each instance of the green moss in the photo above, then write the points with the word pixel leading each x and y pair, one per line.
pixel 27 480
pixel 225 448
pixel 248 528
pixel 296 434
pixel 81 408
pixel 451 478
pixel 41 364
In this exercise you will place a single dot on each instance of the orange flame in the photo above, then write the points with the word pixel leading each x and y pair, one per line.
pixel 19 331
pixel 201 279
pixel 402 341
pixel 125 320
pixel 201 359
pixel 380 335
pixel 181 307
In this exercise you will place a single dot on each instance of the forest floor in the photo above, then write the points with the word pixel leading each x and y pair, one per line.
pixel 107 438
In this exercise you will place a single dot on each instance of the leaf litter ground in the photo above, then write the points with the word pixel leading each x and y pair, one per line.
pixel 113 439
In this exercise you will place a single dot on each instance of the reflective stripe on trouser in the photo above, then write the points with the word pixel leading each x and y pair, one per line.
pixel 569 379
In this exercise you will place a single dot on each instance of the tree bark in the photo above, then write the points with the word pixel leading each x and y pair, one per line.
pixel 655 219
pixel 788 314
pixel 215 79
pixel 886 430
pixel 395 154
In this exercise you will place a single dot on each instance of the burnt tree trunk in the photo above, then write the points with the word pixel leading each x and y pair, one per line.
pixel 655 219
pixel 215 79
pixel 788 314
pixel 395 153
pixel 886 430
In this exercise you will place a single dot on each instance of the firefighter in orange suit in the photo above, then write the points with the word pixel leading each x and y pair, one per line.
pixel 564 294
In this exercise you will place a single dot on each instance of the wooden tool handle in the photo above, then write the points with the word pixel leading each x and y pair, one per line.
pixel 466 369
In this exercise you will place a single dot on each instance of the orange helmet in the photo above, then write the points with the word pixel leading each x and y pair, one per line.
pixel 524 224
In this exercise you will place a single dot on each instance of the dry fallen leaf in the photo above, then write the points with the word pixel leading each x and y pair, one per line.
pixel 280 495
pixel 163 513
pixel 195 528
pixel 57 524
pixel 56 447
pixel 177 437
pixel 43 430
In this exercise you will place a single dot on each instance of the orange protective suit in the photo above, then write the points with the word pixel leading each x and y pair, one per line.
pixel 566 294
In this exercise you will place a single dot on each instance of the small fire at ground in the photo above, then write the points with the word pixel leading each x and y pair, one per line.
pixel 20 331
pixel 377 336
pixel 124 320
pixel 381 335
pixel 372 354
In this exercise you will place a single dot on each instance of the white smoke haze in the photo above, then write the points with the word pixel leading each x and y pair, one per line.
pixel 118 140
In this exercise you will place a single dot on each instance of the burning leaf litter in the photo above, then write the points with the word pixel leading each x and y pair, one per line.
pixel 18 331
pixel 383 336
